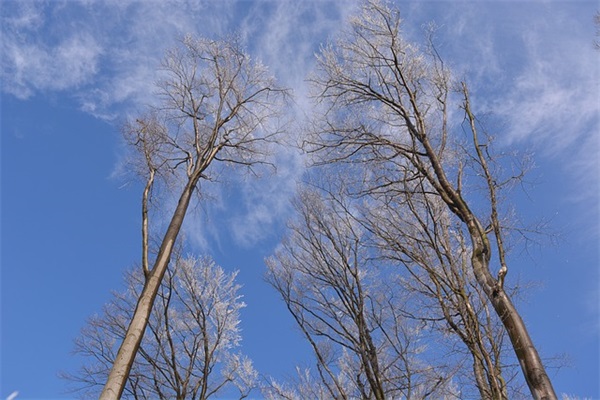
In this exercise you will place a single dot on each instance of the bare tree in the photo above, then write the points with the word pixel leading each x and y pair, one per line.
pixel 190 351
pixel 217 105
pixel 343 304
pixel 414 229
pixel 387 100
pixel 431 299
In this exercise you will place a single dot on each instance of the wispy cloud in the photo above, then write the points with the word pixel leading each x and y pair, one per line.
pixel 555 94
pixel 533 66
pixel 29 66
pixel 535 70
pixel 284 35
pixel 287 34
pixel 552 103
pixel 105 54
pixel 265 202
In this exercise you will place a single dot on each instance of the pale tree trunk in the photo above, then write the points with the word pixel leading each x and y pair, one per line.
pixel 529 359
pixel 119 373
pixel 533 369
pixel 385 100
pixel 241 98
pixel 531 364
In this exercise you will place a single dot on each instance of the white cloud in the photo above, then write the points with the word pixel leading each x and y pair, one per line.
pixel 264 203
pixel 107 60
pixel 28 16
pixel 555 96
pixel 285 35
pixel 534 66
pixel 535 70
pixel 103 53
pixel 106 53
pixel 553 105
pixel 28 68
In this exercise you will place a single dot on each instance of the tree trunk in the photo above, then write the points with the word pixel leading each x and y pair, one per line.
pixel 529 359
pixel 119 373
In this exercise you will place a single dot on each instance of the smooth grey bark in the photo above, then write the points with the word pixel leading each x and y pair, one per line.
pixel 131 343
pixel 218 105
pixel 385 99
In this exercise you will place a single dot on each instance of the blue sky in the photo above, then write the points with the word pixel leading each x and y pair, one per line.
pixel 71 71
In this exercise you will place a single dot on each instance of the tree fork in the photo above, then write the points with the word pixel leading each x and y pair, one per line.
pixel 115 384
pixel 531 364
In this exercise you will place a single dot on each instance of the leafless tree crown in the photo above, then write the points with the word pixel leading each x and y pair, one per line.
pixel 431 179
pixel 191 347
pixel 217 106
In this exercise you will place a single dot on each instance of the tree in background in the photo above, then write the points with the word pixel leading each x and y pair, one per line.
pixel 414 229
pixel 429 325
pixel 190 350
pixel 217 106
pixel 344 303
pixel 391 107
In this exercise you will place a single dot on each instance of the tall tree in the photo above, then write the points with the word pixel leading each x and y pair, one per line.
pixel 217 105
pixel 385 99
pixel 438 317
pixel 414 229
pixel 343 303
pixel 190 351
